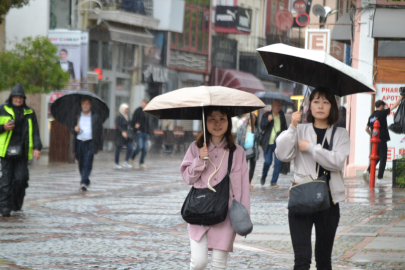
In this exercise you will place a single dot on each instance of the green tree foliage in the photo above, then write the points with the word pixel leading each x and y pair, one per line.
pixel 33 64
pixel 6 5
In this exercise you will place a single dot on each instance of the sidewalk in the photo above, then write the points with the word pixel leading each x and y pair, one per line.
pixel 129 219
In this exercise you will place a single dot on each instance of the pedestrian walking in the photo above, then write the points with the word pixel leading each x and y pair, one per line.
pixel 123 136
pixel 249 138
pixel 219 237
pixel 381 115
pixel 168 135
pixel 272 124
pixel 305 145
pixel 89 139
pixel 19 142
pixel 140 122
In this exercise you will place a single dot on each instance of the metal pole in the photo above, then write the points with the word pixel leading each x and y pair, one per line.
pixel 374 157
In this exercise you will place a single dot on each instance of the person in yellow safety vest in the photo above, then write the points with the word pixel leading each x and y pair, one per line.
pixel 19 142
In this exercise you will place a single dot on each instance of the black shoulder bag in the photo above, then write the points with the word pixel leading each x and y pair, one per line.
pixel 313 195
pixel 206 207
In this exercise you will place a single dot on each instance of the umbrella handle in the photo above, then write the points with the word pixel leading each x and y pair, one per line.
pixel 205 139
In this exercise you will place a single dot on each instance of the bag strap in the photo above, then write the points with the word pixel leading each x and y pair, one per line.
pixel 323 142
pixel 331 138
pixel 230 159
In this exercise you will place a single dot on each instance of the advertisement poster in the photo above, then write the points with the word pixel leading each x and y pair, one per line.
pixel 389 93
pixel 69 50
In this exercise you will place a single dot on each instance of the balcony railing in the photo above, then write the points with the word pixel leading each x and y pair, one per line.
pixel 141 7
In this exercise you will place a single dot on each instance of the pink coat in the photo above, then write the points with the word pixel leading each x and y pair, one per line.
pixel 220 236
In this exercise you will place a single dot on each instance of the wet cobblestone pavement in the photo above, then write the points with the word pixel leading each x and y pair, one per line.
pixel 129 219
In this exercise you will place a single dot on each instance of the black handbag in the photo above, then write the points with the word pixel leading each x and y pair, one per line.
pixel 203 206
pixel 312 195
pixel 14 151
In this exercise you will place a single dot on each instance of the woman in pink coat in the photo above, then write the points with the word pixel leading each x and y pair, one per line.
pixel 219 237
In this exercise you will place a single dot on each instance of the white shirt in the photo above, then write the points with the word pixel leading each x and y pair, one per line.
pixel 64 66
pixel 85 132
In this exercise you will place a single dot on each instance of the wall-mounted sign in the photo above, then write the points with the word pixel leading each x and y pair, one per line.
pixel 300 6
pixel 155 74
pixel 317 39
pixel 234 17
pixel 302 19
pixel 224 52
pixel 283 20
pixel 389 93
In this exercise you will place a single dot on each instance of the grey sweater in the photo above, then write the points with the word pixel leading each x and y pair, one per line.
pixel 305 162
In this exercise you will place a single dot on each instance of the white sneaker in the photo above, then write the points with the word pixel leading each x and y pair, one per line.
pixel 117 167
pixel 380 179
pixel 126 165
pixel 366 176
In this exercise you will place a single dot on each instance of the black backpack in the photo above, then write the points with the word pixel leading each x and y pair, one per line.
pixel 206 207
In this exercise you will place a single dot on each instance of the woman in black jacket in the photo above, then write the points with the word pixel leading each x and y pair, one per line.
pixel 122 137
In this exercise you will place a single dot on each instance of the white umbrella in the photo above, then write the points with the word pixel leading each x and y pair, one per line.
pixel 188 103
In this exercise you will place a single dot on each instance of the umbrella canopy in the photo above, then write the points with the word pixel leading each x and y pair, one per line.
pixel 268 97
pixel 186 103
pixel 313 68
pixel 66 108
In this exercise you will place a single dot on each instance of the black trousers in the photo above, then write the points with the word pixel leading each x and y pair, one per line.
pixel 13 182
pixel 382 150
pixel 84 156
pixel 252 167
pixel 326 223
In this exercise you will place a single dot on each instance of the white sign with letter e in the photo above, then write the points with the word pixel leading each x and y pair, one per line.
pixel 317 39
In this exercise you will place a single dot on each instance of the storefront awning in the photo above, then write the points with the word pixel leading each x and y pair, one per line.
pixel 342 31
pixel 389 23
pixel 121 33
pixel 236 79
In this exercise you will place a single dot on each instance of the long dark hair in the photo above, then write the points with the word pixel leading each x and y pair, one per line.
pixel 228 134
pixel 334 110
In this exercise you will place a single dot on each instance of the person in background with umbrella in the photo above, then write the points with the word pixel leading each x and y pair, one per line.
pixel 122 136
pixel 303 144
pixel 249 138
pixel 381 115
pixel 140 121
pixel 89 139
pixel 19 142
pixel 272 124
pixel 219 237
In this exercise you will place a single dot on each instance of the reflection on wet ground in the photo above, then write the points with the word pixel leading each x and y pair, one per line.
pixel 129 219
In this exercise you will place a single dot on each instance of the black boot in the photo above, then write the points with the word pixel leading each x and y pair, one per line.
pixel 5 212
pixel 262 180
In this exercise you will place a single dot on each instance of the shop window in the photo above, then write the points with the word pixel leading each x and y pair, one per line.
pixel 123 85
pixel 389 63
pixel 107 55
pixel 93 54
pixel 126 57
pixel 60 12
pixel 194 37
pixel 391 48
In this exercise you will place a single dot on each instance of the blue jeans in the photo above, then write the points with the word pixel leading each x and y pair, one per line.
pixel 84 156
pixel 141 145
pixel 268 159
pixel 118 151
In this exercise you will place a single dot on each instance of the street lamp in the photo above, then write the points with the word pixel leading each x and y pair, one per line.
pixel 96 10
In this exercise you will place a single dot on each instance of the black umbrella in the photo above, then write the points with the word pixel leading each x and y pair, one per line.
pixel 268 97
pixel 66 108
pixel 313 68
